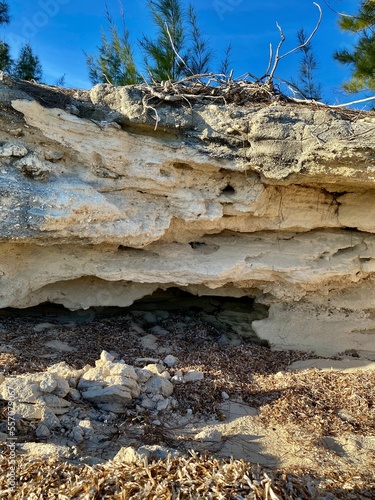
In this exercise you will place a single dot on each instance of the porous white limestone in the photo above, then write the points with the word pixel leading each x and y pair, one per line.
pixel 98 207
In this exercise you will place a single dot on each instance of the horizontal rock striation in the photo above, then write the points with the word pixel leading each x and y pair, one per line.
pixel 111 194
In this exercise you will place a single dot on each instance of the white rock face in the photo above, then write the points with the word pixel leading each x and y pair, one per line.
pixel 271 201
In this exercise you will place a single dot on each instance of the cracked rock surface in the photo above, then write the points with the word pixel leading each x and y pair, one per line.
pixel 273 201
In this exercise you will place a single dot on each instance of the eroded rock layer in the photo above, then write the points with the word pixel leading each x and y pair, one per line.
pixel 111 194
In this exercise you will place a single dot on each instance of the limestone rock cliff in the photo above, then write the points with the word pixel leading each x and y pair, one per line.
pixel 110 194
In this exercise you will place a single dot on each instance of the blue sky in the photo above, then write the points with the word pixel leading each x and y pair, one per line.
pixel 60 31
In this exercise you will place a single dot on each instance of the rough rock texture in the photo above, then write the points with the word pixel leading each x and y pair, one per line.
pixel 109 195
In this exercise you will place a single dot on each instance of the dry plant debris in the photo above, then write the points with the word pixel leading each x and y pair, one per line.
pixel 309 404
pixel 185 478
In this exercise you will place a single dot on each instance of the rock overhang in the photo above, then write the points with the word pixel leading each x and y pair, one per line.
pixel 100 204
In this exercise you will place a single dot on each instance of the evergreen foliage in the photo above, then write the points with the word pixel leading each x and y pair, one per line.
pixel 362 57
pixel 6 62
pixel 27 66
pixel 4 13
pixel 199 53
pixel 162 54
pixel 309 88
pixel 178 48
pixel 115 61
pixel 5 58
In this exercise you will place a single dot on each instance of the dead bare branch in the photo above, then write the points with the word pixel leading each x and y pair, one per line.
pixel 277 56
pixel 358 101
pixel 282 40
pixel 270 60
pixel 175 51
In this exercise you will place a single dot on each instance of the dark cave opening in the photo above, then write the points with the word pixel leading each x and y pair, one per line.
pixel 224 314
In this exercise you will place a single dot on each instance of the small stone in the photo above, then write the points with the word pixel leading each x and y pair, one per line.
pixel 149 317
pixel 53 154
pixel 77 434
pixel 183 421
pixel 58 345
pixel 193 376
pixel 177 379
pixel 156 422
pixel 42 431
pixel 28 411
pixel 211 435
pixel 15 150
pixel 149 342
pixel 111 394
pixel 159 385
pixel 345 416
pixel 162 405
pixel 32 166
pixel 62 386
pixel 129 455
pixel 142 361
pixel 86 426
pixel 93 377
pixel 112 407
pixel 48 384
pixel 136 328
pixel 232 410
pixel 180 325
pixel 72 109
pixel 46 451
pixel 189 411
pixel 154 368
pixel 143 375
pixel 16 132
pixel 162 314
pixel 65 371
pixel 40 327
pixel 147 403
pixel 157 452
pixel 170 361
pixel 128 383
pixel 224 396
pixel 74 394
pixel 49 419
pixel 158 330
pixel 92 460
pixel 105 356
pixel 123 370
pixel 56 404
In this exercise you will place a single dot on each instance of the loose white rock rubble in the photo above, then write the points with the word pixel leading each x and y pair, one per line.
pixel 112 386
